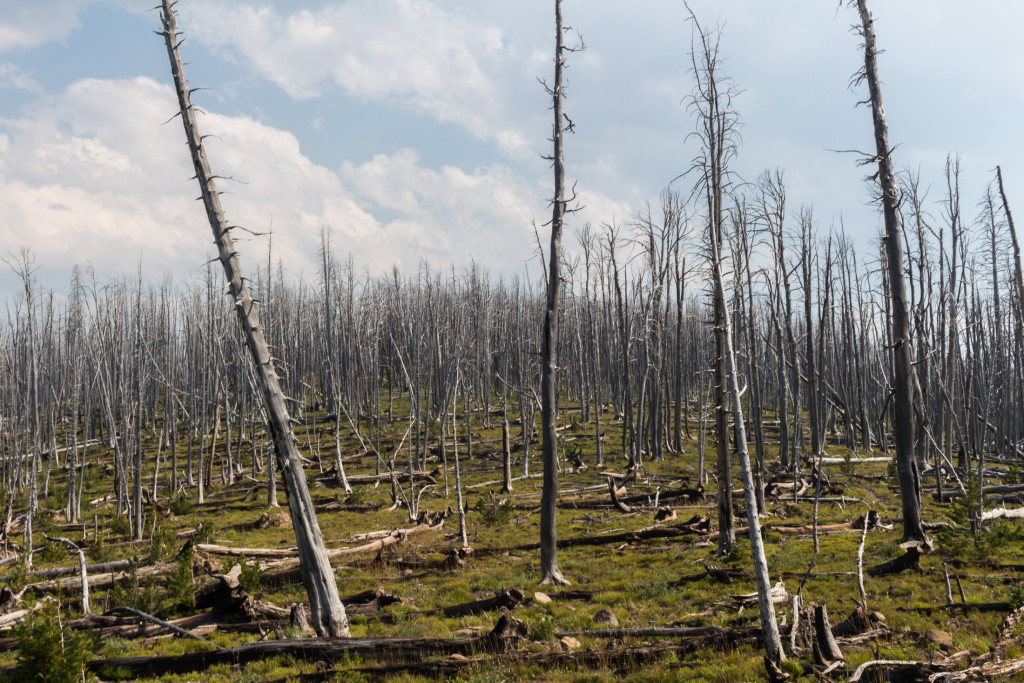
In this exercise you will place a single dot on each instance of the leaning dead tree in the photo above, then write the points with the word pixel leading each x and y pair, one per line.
pixel 914 536
pixel 328 614
pixel 712 104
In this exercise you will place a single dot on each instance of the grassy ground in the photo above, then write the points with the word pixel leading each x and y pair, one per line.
pixel 633 580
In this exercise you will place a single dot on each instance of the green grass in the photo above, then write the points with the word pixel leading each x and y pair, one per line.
pixel 635 581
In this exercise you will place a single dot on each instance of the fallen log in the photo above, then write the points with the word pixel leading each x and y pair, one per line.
pixel 391 538
pixel 504 600
pixel 961 607
pixel 506 633
pixel 73 584
pixel 687 494
pixel 725 576
pixel 1004 513
pixel 454 559
pixel 695 525
pixel 170 626
pixel 499 481
pixel 693 632
pixel 112 626
pixel 777 594
pixel 855 461
pixel 388 476
pixel 1000 488
pixel 989 671
pixel 11 618
pixel 917 670
pixel 611 658
pixel 214 549
pixel 99 568
pixel 367 602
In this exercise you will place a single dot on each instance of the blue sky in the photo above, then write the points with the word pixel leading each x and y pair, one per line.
pixel 413 129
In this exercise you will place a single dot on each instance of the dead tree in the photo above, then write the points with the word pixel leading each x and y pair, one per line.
pixel 328 614
pixel 550 573
pixel 716 121
pixel 711 103
pixel 903 428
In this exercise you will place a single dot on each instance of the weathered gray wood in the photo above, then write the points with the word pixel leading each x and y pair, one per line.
pixel 549 571
pixel 906 463
pixel 506 633
pixel 328 613
pixel 692 632
pixel 715 119
pixel 81 569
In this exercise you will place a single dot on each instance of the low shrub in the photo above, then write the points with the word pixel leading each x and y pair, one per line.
pixel 48 651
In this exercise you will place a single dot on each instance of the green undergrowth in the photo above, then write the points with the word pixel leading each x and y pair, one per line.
pixel 638 581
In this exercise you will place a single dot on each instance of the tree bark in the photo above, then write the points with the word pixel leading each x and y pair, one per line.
pixel 328 613
pixel 550 573
pixel 903 428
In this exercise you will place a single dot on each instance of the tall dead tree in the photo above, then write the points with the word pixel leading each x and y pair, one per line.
pixel 1018 280
pixel 23 267
pixel 903 427
pixel 716 120
pixel 711 103
pixel 550 573
pixel 328 614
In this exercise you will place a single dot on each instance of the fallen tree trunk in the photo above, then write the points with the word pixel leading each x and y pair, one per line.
pixel 917 670
pixel 74 584
pixel 999 488
pixel 506 633
pixel 856 461
pixel 100 568
pixel 391 538
pixel 1005 513
pixel 961 607
pixel 614 658
pixel 989 671
pixel 695 525
pixel 507 600
pixel 693 632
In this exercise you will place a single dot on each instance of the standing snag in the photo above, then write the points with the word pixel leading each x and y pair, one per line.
pixel 715 126
pixel 903 428
pixel 550 573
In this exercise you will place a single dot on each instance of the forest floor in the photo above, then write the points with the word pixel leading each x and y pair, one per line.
pixel 647 573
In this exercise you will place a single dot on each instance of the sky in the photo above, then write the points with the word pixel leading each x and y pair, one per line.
pixel 413 131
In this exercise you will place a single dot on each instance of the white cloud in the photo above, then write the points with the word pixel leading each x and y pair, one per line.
pixel 28 23
pixel 13 76
pixel 448 215
pixel 434 60
pixel 90 176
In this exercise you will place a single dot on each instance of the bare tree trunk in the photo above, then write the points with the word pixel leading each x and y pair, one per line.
pixel 550 573
pixel 769 627
pixel 903 428
pixel 1018 277
pixel 328 613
